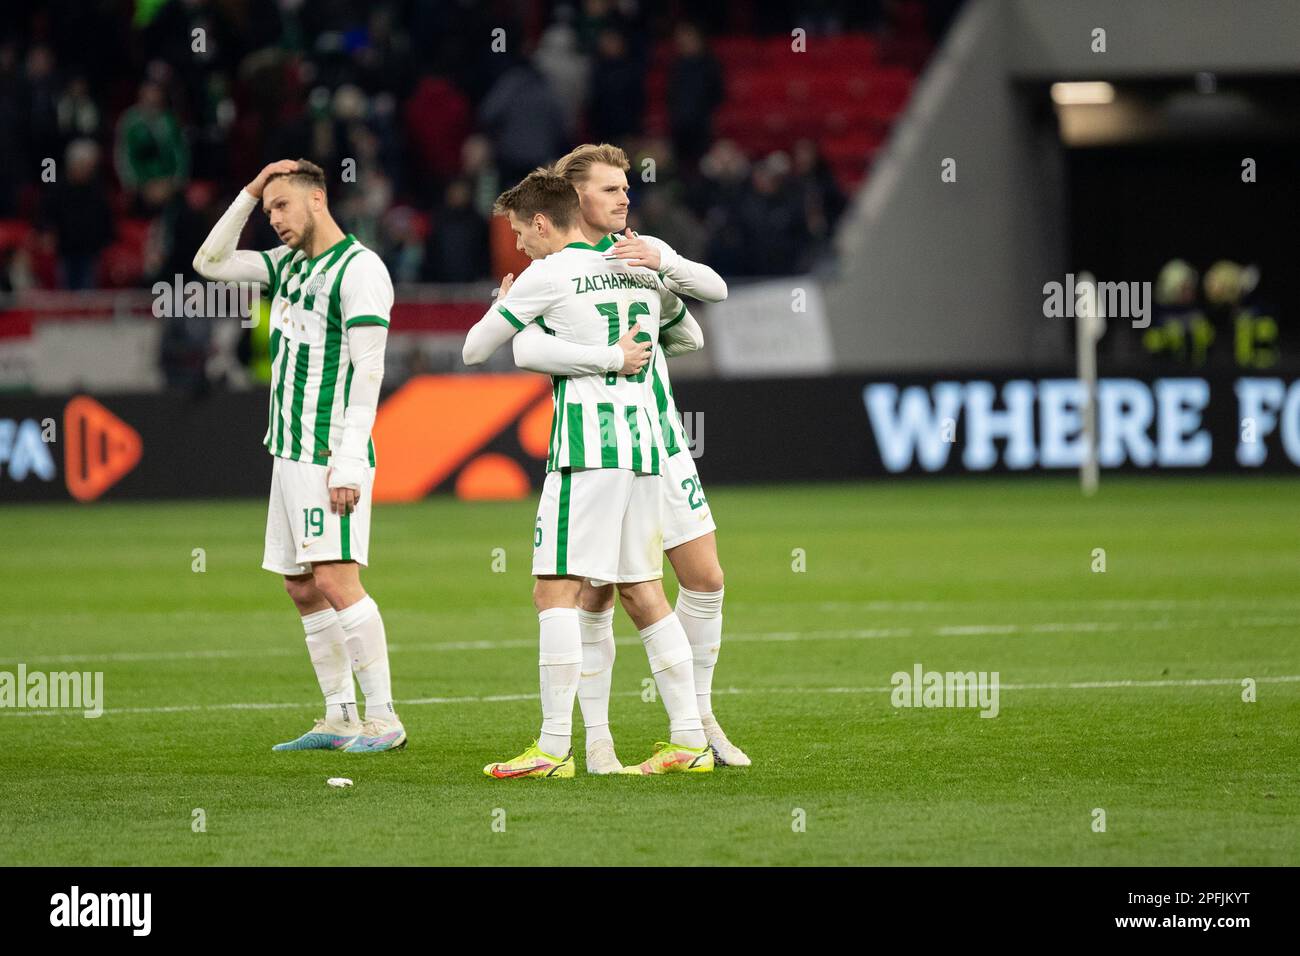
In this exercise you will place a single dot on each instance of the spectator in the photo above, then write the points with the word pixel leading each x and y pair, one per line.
pixel 437 119
pixel 695 90
pixel 566 70
pixel 183 226
pixel 771 218
pixel 336 83
pixel 458 239
pixel 78 116
pixel 823 201
pixel 363 206
pixel 41 96
pixel 384 123
pixel 717 194
pixel 481 172
pixel 381 54
pixel 404 242
pixel 524 120
pixel 906 39
pixel 152 158
pixel 79 216
pixel 16 166
pixel 657 215
pixel 184 349
pixel 618 99
pixel 596 16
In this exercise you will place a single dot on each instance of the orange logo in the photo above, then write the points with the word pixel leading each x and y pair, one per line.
pixel 434 424
pixel 99 448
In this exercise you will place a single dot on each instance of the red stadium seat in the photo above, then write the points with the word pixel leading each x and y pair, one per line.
pixel 13 233
pixel 122 263
pixel 838 92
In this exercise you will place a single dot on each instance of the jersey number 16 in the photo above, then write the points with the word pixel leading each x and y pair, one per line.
pixel 610 311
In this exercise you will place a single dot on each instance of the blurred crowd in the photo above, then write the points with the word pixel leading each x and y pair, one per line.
pixel 128 127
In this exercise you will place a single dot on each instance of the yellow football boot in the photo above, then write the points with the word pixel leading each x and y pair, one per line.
pixel 532 763
pixel 674 758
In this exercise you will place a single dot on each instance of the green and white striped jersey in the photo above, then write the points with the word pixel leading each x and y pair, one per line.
pixel 674 433
pixel 607 420
pixel 314 302
pixel 675 439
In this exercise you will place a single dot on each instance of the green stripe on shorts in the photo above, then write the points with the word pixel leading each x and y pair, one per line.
pixel 562 525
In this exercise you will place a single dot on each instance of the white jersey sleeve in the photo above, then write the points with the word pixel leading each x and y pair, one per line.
pixel 219 259
pixel 365 307
pixel 681 337
pixel 679 333
pixel 532 294
pixel 538 352
pixel 680 274
pixel 366 292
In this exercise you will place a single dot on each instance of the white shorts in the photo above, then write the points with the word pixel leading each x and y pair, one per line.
pixel 299 526
pixel 600 523
pixel 686 512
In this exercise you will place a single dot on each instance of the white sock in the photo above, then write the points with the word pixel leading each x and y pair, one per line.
pixel 559 667
pixel 368 649
pixel 701 615
pixel 329 658
pixel 597 670
pixel 670 658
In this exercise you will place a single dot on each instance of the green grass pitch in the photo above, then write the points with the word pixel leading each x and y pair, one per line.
pixel 1120 690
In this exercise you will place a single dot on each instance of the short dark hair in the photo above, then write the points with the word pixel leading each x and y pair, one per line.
pixel 307 173
pixel 545 191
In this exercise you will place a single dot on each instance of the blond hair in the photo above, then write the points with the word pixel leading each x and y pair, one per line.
pixel 576 165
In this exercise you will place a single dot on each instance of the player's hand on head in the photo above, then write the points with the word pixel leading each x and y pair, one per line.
pixel 635 354
pixel 270 169
pixel 636 251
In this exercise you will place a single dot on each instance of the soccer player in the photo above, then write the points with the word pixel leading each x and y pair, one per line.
pixel 599 515
pixel 330 303
pixel 599 174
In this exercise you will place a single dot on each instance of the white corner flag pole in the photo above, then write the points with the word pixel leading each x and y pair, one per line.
pixel 1090 325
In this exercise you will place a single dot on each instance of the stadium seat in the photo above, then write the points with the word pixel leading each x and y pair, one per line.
pixel 13 233
pixel 839 92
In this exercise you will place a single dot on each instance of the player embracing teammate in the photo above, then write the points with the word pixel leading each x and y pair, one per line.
pixel 597 177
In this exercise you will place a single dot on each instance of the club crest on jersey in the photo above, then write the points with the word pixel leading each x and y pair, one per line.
pixel 316 284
